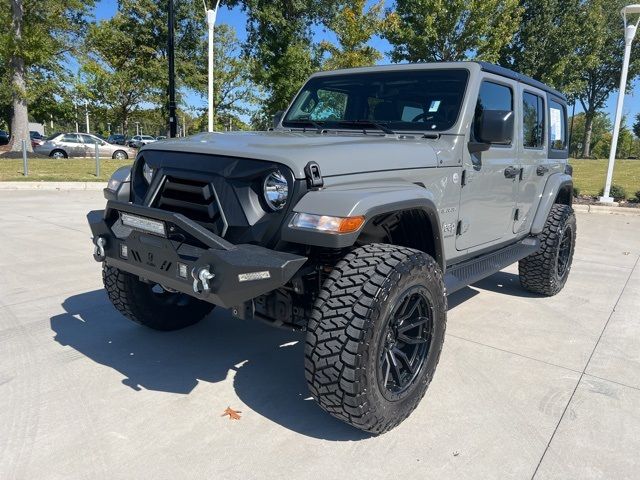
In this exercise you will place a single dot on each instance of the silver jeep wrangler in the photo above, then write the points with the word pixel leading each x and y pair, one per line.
pixel 377 193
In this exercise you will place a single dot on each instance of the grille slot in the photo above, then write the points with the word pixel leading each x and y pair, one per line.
pixel 195 199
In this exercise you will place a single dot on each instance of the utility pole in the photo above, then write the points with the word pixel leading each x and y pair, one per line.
pixel 172 81
pixel 86 112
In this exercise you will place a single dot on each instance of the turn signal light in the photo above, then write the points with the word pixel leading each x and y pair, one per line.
pixel 327 224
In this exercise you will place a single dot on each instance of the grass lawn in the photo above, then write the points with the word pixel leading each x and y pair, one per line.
pixel 589 175
pixel 65 170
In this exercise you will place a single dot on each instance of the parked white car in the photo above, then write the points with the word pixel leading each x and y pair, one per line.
pixel 138 141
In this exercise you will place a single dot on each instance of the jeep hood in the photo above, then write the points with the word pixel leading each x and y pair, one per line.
pixel 336 153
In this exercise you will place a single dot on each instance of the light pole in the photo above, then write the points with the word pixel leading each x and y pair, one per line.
pixel 629 35
pixel 137 128
pixel 211 21
pixel 109 127
pixel 173 120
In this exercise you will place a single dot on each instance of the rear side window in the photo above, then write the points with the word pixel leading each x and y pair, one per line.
pixel 71 138
pixel 492 96
pixel 557 126
pixel 533 120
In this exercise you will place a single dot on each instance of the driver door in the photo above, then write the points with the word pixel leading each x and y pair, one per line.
pixel 489 191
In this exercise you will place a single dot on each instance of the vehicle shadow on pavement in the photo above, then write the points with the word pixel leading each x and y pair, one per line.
pixel 268 362
pixel 507 284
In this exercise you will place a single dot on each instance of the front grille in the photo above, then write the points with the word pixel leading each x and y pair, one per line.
pixel 195 199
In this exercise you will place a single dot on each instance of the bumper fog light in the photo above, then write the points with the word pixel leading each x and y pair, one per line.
pixel 327 224
pixel 124 251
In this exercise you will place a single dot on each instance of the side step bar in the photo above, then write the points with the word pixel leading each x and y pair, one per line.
pixel 472 271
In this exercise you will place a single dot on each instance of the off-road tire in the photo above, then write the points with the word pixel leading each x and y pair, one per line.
pixel 539 272
pixel 137 301
pixel 348 323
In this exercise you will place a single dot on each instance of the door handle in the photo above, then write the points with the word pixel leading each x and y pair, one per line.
pixel 511 172
pixel 541 171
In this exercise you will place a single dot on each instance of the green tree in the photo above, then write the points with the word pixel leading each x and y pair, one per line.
pixel 38 39
pixel 600 46
pixel 354 27
pixel 280 44
pixel 544 46
pixel 233 91
pixel 636 126
pixel 441 30
pixel 601 132
pixel 120 70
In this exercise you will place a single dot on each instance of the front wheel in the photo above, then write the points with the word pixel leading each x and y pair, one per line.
pixel 151 304
pixel 375 336
pixel 120 155
pixel 546 271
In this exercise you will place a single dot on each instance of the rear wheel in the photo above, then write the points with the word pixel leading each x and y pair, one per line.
pixel 546 271
pixel 58 154
pixel 152 305
pixel 375 336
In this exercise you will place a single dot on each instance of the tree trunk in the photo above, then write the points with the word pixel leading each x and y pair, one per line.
pixel 586 140
pixel 20 119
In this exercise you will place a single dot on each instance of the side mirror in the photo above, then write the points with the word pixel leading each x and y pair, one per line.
pixel 493 127
pixel 277 118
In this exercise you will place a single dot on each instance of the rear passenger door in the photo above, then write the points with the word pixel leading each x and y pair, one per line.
pixel 533 156
pixel 488 196
pixel 72 144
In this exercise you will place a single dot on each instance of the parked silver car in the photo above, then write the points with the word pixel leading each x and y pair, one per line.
pixel 139 141
pixel 64 145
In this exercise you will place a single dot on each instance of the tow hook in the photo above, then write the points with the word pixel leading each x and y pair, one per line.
pixel 98 251
pixel 202 277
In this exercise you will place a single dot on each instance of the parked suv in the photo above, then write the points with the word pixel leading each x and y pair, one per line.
pixel 379 192
pixel 64 145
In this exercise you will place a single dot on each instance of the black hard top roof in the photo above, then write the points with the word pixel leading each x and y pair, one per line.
pixel 505 72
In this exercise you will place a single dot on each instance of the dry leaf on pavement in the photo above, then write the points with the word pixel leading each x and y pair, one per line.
pixel 233 414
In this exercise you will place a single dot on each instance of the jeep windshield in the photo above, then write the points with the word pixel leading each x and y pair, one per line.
pixel 408 100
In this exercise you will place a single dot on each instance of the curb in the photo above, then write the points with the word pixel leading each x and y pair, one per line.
pixel 53 186
pixel 602 209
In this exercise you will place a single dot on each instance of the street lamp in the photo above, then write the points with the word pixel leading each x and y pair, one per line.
pixel 629 35
pixel 211 21
pixel 137 128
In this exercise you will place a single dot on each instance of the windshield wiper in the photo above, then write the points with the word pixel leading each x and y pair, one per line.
pixel 380 126
pixel 319 127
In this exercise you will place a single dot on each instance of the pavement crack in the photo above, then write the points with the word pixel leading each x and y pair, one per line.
pixel 583 373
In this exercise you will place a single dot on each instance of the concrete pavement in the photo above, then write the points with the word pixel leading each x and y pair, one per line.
pixel 526 387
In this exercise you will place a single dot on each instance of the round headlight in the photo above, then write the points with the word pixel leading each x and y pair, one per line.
pixel 276 190
pixel 147 172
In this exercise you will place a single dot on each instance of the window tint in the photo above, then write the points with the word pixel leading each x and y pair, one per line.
pixel 557 125
pixel 89 139
pixel 403 100
pixel 533 120
pixel 71 138
pixel 492 96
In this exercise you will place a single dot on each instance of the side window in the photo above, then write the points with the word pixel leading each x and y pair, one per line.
pixel 492 96
pixel 557 125
pixel 71 138
pixel 89 140
pixel 533 120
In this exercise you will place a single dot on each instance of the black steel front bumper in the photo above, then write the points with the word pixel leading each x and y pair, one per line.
pixel 239 272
